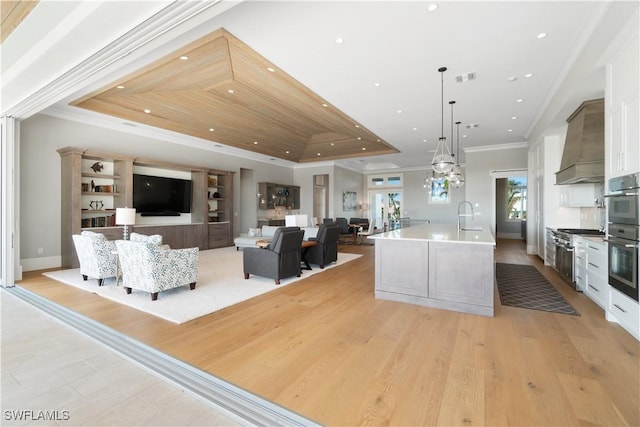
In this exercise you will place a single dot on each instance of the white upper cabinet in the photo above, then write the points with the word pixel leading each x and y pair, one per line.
pixel 622 134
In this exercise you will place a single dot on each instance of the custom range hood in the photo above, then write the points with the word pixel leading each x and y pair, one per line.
pixel 583 155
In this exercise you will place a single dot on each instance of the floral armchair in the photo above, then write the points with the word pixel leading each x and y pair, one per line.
pixel 149 267
pixel 97 256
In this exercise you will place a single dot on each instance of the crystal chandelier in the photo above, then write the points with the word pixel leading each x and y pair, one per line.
pixel 442 161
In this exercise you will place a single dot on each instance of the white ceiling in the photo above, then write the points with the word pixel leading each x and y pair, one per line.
pixel 399 45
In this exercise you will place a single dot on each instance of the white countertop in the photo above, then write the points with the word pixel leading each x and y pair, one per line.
pixel 440 233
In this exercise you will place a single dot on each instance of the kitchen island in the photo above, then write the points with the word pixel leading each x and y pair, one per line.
pixel 435 265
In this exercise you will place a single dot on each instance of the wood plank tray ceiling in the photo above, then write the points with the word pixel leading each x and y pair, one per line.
pixel 220 83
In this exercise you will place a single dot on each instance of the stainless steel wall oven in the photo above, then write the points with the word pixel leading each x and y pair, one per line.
pixel 624 233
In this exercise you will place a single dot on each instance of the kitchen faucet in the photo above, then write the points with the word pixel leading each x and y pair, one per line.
pixel 467 215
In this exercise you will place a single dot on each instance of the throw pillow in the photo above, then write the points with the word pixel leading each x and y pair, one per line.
pixel 155 239
pixel 92 234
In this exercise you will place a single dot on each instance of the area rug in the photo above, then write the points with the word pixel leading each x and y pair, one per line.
pixel 221 283
pixel 524 286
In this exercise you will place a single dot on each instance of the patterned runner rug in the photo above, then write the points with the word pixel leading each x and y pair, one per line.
pixel 523 286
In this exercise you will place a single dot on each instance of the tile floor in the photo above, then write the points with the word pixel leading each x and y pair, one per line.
pixel 54 371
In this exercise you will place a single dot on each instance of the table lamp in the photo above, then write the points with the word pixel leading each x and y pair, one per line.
pixel 125 217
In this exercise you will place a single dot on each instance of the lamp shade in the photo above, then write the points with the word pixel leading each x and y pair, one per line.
pixel 125 216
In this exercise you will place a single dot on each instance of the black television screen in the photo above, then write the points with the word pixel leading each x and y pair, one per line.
pixel 155 195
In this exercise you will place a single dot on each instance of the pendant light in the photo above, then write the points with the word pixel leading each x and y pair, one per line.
pixel 442 161
pixel 458 181
pixel 453 174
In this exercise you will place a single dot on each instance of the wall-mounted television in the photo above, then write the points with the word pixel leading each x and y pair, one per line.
pixel 160 196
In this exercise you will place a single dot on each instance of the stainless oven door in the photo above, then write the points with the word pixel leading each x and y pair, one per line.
pixel 623 208
pixel 564 263
pixel 623 265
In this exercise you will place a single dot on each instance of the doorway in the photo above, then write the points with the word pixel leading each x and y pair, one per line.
pixel 321 197
pixel 510 204
pixel 385 209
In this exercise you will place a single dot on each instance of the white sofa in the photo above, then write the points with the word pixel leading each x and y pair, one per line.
pixel 266 233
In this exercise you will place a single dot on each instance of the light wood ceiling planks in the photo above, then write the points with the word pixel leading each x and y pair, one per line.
pixel 251 104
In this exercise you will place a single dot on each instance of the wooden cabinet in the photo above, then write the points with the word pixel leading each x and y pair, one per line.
pixel 219 235
pixel 597 284
pixel 219 208
pixel 94 184
pixel 578 195
pixel 272 195
pixel 623 113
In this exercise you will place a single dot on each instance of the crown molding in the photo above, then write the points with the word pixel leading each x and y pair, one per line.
pixel 497 147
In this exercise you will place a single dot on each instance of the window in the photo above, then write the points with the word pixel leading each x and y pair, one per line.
pixel 517 198
pixel 439 191
pixel 385 180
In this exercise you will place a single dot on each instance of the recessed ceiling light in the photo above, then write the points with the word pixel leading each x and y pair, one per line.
pixel 376 84
pixel 357 126
pixel 509 130
pixel 271 69
pixel 184 57
pixel 230 91
pixel 255 142
pixel 541 35
pixel 287 152
pixel 399 111
pixel 364 149
pixel 464 135
pixel 432 7
pixel 424 140
pixel 415 128
pixel 339 40
pixel 120 87
pixel 514 117
pixel 528 75
pixel 211 129
pixel 146 110
pixel 512 78
pixel 359 138
pixel 317 154
pixel 519 100
pixel 333 143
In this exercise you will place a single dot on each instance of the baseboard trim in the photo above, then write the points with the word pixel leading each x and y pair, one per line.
pixel 32 264
pixel 231 400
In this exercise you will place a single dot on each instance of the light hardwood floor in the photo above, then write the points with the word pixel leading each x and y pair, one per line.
pixel 327 349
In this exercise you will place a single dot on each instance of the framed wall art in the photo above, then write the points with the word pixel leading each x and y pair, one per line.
pixel 349 201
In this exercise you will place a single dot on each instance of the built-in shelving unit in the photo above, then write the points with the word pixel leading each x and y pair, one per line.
pixel 94 184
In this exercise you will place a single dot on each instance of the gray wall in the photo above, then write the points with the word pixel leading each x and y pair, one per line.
pixel 480 183
pixel 42 135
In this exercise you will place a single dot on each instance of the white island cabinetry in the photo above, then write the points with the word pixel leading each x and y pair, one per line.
pixel 435 265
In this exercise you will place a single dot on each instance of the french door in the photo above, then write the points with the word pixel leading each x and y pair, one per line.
pixel 385 208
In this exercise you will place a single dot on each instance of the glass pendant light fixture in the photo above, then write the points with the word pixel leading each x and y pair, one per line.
pixel 453 174
pixel 442 161
pixel 458 180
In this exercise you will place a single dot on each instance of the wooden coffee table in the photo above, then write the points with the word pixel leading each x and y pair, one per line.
pixel 304 248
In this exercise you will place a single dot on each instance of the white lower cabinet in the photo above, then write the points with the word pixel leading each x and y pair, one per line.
pixel 580 263
pixel 625 311
pixel 597 282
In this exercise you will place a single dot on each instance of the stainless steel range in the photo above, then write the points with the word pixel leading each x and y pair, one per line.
pixel 563 239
